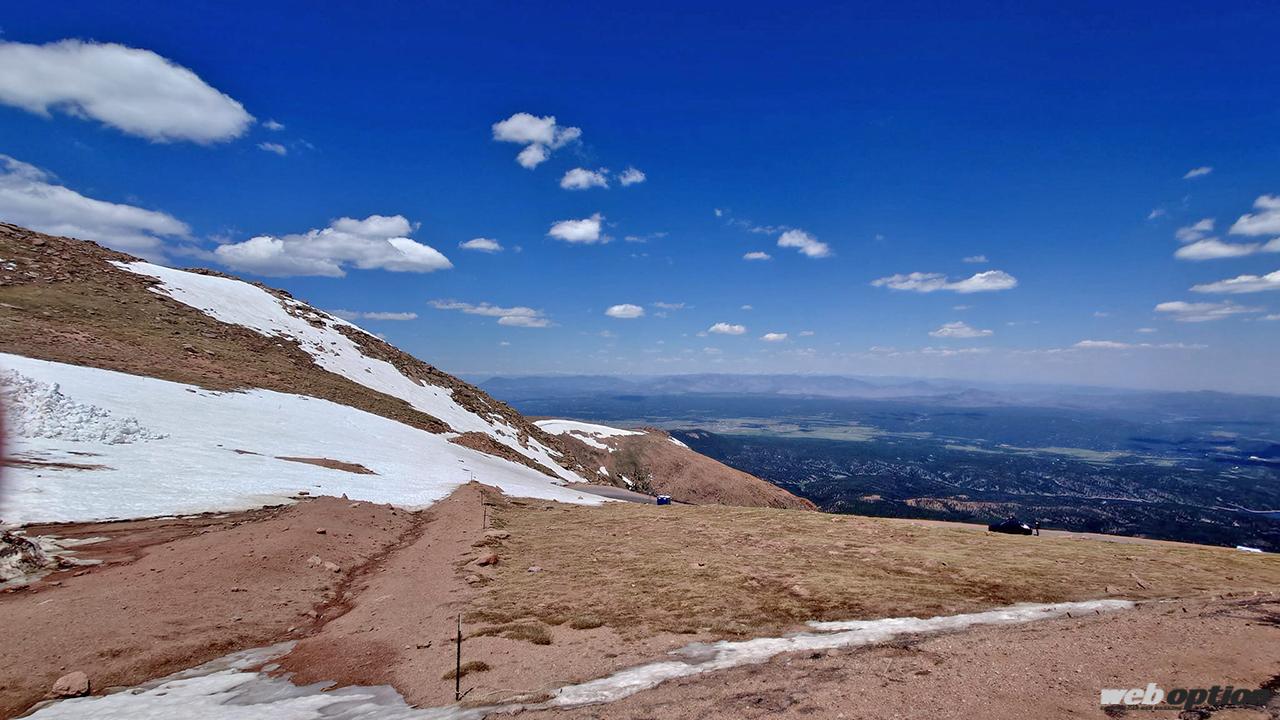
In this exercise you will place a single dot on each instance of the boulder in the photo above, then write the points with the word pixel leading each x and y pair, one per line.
pixel 75 684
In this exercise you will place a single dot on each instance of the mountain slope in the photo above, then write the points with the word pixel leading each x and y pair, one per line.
pixel 144 390
pixel 653 461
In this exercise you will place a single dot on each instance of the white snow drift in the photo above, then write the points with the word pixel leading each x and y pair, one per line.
pixel 183 457
pixel 588 433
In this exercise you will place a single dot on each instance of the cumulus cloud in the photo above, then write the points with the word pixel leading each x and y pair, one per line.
pixel 1215 249
pixel 539 135
pixel 959 329
pixel 584 179
pixel 389 316
pixel 1204 311
pixel 585 231
pixel 988 281
pixel 480 244
pixel 275 148
pixel 976 259
pixel 723 328
pixel 773 337
pixel 1197 172
pixel 807 244
pixel 1266 221
pixel 625 311
pixel 378 242
pixel 1194 232
pixel 32 197
pixel 1241 284
pixel 631 176
pixel 518 316
pixel 135 91
pixel 757 255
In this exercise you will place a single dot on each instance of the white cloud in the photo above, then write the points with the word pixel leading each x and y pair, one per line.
pixel 976 259
pixel 1204 311
pixel 773 337
pixel 518 316
pixel 1275 316
pixel 757 255
pixel 1113 345
pixel 585 231
pixel 807 244
pixel 584 179
pixel 625 311
pixel 1147 330
pixel 722 328
pixel 806 333
pixel 1242 284
pixel 357 315
pixel 135 91
pixel 32 198
pixel 378 242
pixel 273 126
pixel 987 281
pixel 1197 172
pixel 276 148
pixel 480 244
pixel 539 135
pixel 1215 249
pixel 959 329
pixel 668 305
pixel 1157 213
pixel 1264 222
pixel 1194 232
pixel 631 176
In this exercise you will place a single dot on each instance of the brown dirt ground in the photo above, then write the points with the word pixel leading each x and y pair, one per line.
pixel 173 593
pixel 617 586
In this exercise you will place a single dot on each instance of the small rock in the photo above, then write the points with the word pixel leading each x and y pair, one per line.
pixel 74 684
pixel 534 568
pixel 315 561
pixel 490 559
pixel 497 534
pixel 303 492
pixel 332 567
pixel 321 531
pixel 473 579
pixel 799 591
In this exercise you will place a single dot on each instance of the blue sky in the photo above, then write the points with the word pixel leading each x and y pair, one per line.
pixel 1049 147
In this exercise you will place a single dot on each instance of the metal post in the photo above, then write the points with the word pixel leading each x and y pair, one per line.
pixel 457 671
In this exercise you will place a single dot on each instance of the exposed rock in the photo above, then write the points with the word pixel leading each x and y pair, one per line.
pixel 490 559
pixel 332 567
pixel 497 534
pixel 74 684
pixel 321 531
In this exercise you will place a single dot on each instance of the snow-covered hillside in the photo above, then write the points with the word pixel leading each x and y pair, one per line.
pixel 155 447
pixel 240 303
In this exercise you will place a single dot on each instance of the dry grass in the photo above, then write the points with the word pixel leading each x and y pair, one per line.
pixel 533 632
pixel 740 571
pixel 473 666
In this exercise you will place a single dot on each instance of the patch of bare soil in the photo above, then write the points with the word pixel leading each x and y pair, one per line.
pixel 175 592
pixel 678 471
pixel 330 463
pixel 738 572
pixel 1046 669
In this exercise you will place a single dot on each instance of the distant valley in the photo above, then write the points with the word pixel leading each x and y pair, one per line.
pixel 1196 467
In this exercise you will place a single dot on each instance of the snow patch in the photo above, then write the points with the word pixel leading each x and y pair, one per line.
pixel 40 410
pixel 588 433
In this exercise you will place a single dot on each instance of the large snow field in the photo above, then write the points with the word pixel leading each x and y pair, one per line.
pixel 170 449
pixel 240 303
